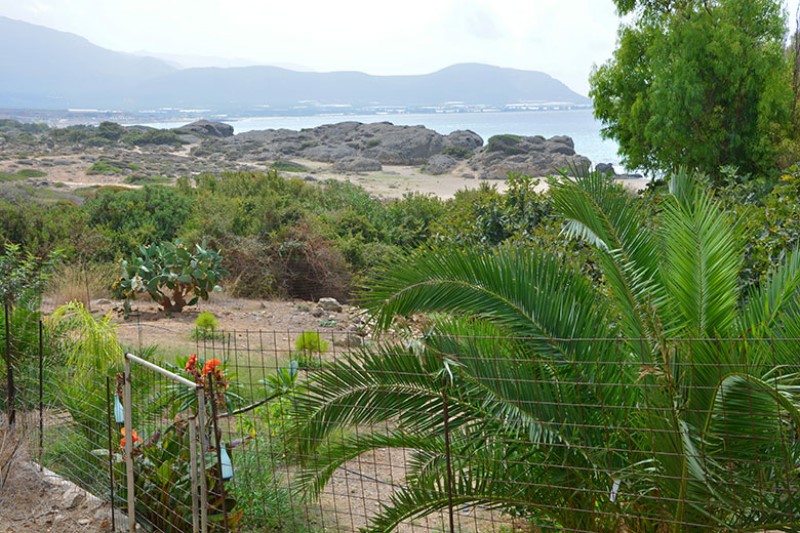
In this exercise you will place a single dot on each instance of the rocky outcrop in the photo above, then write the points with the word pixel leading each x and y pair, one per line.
pixel 206 128
pixel 605 168
pixel 533 156
pixel 400 145
pixel 466 139
pixel 382 142
pixel 439 164
pixel 608 169
pixel 356 147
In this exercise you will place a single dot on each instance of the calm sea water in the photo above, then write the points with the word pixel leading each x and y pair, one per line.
pixel 578 124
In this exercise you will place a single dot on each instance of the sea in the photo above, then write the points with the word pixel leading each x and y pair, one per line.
pixel 576 123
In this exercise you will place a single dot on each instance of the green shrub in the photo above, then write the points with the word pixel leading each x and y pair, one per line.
pixel 310 341
pixel 206 325
pixel 206 320
pixel 110 130
pixel 506 143
pixel 103 167
pixel 457 152
pixel 288 166
pixel 31 173
pixel 7 176
pixel 131 217
pixel 152 136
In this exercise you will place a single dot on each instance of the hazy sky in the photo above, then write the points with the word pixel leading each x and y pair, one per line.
pixel 561 37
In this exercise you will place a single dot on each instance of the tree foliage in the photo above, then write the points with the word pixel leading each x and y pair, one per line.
pixel 697 83
pixel 580 406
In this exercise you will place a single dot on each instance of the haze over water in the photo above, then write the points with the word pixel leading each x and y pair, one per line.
pixel 578 124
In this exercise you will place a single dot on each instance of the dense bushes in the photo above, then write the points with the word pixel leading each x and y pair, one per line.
pixel 289 238
pixel 131 217
pixel 110 134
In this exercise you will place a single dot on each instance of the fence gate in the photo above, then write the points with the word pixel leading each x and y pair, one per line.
pixel 197 446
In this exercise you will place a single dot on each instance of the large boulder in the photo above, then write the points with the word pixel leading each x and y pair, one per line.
pixel 400 145
pixel 330 305
pixel 466 139
pixel 439 164
pixel 532 156
pixel 605 168
pixel 206 128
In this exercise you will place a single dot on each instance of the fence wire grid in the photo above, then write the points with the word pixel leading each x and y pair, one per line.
pixel 438 433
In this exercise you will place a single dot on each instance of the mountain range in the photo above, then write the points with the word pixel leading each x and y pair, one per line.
pixel 48 69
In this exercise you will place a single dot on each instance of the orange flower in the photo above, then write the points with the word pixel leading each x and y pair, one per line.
pixel 122 440
pixel 210 365
pixel 191 363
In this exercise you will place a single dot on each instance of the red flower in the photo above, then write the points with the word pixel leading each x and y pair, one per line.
pixel 122 440
pixel 210 365
pixel 191 363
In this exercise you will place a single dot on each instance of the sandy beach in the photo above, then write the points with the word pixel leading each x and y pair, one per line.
pixel 392 182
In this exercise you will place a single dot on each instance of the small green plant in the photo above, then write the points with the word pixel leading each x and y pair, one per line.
pixel 206 320
pixel 7 176
pixel 457 152
pixel 206 325
pixel 310 341
pixel 31 173
pixel 288 166
pixel 309 347
pixel 170 273
pixel 506 143
pixel 103 167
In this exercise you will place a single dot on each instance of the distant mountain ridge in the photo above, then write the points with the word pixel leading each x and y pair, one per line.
pixel 49 69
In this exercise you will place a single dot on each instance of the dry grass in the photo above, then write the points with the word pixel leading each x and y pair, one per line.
pixel 73 283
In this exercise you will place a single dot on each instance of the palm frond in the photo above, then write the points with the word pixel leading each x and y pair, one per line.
pixel 318 468
pixel 526 294
pixel 393 383
pixel 702 259
pixel 767 305
pixel 603 213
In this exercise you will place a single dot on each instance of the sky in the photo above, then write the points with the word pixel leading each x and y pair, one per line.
pixel 563 38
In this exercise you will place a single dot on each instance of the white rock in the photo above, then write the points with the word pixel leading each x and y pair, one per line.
pixel 330 304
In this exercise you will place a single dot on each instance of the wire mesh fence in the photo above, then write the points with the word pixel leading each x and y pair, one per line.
pixel 310 432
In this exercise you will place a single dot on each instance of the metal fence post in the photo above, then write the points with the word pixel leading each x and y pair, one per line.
pixel 193 473
pixel 201 422
pixel 128 406
pixel 217 444
pixel 109 408
pixel 447 458
pixel 41 396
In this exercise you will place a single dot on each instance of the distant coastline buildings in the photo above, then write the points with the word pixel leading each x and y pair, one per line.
pixel 67 117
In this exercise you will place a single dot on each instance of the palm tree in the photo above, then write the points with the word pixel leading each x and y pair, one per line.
pixel 662 400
